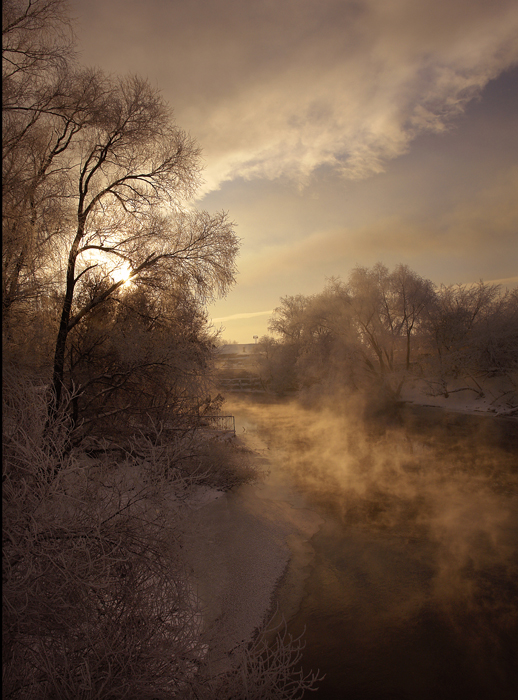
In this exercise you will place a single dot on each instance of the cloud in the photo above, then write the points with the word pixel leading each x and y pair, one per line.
pixel 282 94
pixel 507 282
pixel 354 95
pixel 235 317
pixel 279 89
pixel 476 224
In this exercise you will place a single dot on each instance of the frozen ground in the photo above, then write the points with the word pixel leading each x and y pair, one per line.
pixel 239 547
pixel 495 400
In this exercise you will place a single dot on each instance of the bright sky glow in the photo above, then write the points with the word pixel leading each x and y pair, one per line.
pixel 122 273
pixel 235 317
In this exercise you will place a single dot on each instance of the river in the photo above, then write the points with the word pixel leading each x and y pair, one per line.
pixel 407 587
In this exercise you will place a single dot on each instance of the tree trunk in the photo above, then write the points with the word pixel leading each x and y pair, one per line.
pixel 61 341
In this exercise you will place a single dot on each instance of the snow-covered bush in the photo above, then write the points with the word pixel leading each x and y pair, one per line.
pixel 96 602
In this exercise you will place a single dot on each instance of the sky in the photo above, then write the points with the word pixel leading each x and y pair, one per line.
pixel 336 133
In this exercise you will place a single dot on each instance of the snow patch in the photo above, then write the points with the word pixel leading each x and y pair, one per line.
pixel 461 399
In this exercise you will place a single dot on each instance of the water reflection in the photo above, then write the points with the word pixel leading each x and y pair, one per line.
pixel 413 587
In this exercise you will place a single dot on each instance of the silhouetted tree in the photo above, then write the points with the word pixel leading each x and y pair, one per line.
pixel 41 108
pixel 96 178
pixel 130 172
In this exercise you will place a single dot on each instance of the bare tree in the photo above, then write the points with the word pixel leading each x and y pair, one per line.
pixel 407 302
pixel 389 308
pixel 36 35
pixel 362 332
pixel 96 176
pixel 131 169
pixel 472 331
pixel 37 207
pixel 36 57
pixel 289 318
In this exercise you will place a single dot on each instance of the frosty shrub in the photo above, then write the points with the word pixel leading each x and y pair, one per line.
pixel 96 603
pixel 268 668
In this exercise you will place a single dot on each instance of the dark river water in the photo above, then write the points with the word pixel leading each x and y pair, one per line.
pixel 408 590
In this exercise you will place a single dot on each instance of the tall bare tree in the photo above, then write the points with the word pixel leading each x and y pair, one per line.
pixel 37 55
pixel 472 332
pixel 130 171
pixel 96 180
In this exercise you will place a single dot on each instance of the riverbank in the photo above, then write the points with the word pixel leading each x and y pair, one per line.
pixel 492 400
pixel 241 545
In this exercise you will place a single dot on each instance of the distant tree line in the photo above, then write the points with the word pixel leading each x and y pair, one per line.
pixel 380 330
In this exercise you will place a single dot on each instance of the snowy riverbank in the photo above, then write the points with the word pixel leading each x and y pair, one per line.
pixel 459 399
pixel 239 548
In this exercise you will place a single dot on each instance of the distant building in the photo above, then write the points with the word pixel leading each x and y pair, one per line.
pixel 237 367
pixel 237 350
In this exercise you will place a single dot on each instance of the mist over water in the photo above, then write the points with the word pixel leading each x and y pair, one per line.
pixel 410 589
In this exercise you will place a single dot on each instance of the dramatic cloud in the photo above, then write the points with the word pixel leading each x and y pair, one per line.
pixel 279 88
pixel 353 89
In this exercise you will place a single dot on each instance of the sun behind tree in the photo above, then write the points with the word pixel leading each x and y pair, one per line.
pixel 122 274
